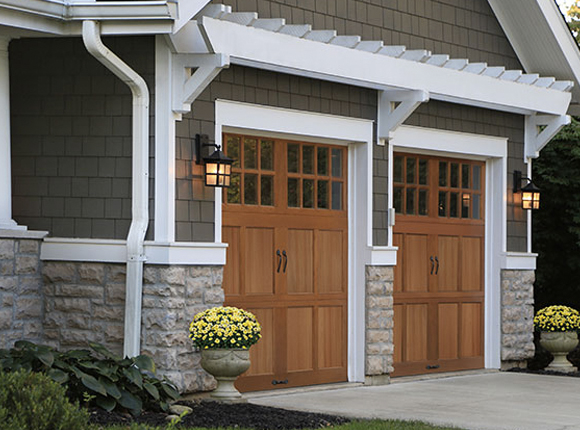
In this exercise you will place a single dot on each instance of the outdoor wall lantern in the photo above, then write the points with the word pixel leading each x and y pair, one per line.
pixel 217 167
pixel 530 193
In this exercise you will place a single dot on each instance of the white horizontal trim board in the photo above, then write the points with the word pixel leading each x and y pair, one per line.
pixel 382 256
pixel 115 251
pixel 518 261
pixel 262 49
pixel 452 142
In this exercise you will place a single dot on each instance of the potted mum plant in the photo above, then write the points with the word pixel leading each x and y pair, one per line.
pixel 224 336
pixel 558 327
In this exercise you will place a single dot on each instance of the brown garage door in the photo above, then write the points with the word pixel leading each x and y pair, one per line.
pixel 285 220
pixel 439 278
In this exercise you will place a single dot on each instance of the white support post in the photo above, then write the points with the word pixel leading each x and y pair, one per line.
pixel 6 221
pixel 187 87
pixel 529 214
pixel 539 130
pixel 164 144
pixel 394 108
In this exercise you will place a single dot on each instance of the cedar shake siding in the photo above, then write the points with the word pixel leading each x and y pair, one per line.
pixel 71 136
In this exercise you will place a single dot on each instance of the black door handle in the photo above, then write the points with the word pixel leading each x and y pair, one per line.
pixel 432 264
pixel 437 269
pixel 285 260
pixel 279 260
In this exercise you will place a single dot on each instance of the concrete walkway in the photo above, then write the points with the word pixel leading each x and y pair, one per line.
pixel 488 401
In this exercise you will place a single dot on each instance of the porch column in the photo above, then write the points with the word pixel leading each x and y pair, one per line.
pixel 6 221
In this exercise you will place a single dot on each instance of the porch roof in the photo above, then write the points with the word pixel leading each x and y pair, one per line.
pixel 297 49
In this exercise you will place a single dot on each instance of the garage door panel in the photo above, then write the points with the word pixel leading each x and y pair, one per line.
pixel 448 263
pixel 259 261
pixel 416 332
pixel 471 330
pixel 398 281
pixel 399 319
pixel 300 339
pixel 331 262
pixel 262 353
pixel 471 267
pixel 448 316
pixel 416 268
pixel 300 255
pixel 330 336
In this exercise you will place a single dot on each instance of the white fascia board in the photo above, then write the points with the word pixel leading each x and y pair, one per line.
pixel 274 51
pixel 115 251
pixel 518 261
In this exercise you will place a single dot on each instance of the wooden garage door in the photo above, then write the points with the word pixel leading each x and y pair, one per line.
pixel 285 220
pixel 439 277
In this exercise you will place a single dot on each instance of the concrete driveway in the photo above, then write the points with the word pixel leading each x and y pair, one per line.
pixel 487 401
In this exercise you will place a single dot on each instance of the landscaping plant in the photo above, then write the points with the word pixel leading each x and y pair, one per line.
pixel 224 327
pixel 556 319
pixel 31 400
pixel 109 382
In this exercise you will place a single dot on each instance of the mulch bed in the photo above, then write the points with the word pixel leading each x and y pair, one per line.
pixel 211 414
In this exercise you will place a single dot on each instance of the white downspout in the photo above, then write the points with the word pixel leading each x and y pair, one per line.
pixel 140 189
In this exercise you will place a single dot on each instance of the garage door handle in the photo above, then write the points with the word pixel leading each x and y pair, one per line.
pixel 432 264
pixel 437 269
pixel 285 260
pixel 279 260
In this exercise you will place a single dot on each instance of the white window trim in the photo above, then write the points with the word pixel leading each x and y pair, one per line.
pixel 492 150
pixel 357 134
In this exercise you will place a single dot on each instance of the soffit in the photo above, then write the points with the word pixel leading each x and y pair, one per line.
pixel 541 39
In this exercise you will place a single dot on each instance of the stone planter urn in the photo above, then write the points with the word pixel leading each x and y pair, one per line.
pixel 225 365
pixel 559 344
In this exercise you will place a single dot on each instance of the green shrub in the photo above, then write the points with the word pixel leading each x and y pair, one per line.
pixel 109 382
pixel 31 400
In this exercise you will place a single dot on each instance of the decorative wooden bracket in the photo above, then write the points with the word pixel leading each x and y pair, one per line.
pixel 192 73
pixel 395 106
pixel 539 130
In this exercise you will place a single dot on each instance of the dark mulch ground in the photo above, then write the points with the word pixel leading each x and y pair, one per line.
pixel 215 414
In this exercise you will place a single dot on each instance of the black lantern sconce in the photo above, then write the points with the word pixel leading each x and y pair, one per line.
pixel 217 169
pixel 530 193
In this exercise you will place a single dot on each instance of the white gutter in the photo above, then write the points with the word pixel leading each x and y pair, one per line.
pixel 140 189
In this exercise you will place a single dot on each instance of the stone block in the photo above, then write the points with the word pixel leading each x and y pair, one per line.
pixel 7 249
pixel 26 265
pixel 6 317
pixel 150 275
pixel 8 283
pixel 115 294
pixel 173 303
pixel 29 246
pixel 32 330
pixel 88 291
pixel 214 296
pixel 163 339
pixel 116 273
pixel 151 302
pixel 217 275
pixel 173 275
pixel 200 272
pixel 66 304
pixel 379 273
pixel 59 272
pixel 160 319
pixel 379 302
pixel 6 267
pixel 6 300
pixel 54 320
pixel 91 273
pixel 376 288
pixel 108 313
pixel 28 308
pixel 161 290
pixel 114 333
pixel 78 321
pixel 77 338
pixel 30 285
pixel 375 365
pixel 376 336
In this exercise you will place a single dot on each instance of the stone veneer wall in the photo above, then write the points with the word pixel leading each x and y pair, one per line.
pixel 517 317
pixel 86 302
pixel 379 343
pixel 21 301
